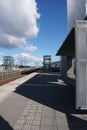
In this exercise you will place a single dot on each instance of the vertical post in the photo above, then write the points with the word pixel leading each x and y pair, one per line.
pixel 69 66
pixel 2 75
pixel 64 66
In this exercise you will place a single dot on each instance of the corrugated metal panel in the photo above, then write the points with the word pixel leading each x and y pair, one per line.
pixel 81 64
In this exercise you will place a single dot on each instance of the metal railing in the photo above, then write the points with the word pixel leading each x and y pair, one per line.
pixel 4 75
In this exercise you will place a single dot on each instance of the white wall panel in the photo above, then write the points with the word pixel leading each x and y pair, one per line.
pixel 81 63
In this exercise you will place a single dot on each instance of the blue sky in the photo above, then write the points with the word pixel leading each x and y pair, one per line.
pixel 51 30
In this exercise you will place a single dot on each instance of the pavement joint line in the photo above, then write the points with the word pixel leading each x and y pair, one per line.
pixel 56 119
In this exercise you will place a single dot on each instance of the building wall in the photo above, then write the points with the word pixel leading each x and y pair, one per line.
pixel 76 10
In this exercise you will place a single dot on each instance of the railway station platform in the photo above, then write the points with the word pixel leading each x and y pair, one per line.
pixel 40 101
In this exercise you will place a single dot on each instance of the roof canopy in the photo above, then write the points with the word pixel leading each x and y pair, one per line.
pixel 68 46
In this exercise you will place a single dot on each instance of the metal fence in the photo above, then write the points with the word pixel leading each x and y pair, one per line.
pixel 4 75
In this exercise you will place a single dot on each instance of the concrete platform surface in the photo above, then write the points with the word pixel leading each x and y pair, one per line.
pixel 40 101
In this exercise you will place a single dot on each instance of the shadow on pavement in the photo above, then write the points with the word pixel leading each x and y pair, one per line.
pixel 45 89
pixel 4 125
pixel 76 123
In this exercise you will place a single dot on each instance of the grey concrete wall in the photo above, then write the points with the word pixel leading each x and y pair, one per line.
pixel 70 72
pixel 64 65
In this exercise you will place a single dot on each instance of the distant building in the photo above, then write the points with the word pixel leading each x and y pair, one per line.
pixel 56 66
pixel 8 62
pixel 47 62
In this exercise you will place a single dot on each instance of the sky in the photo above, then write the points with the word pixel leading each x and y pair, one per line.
pixel 30 29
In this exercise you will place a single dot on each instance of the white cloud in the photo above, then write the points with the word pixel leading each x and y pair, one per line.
pixel 1 62
pixel 30 47
pixel 9 41
pixel 18 22
pixel 2 53
pixel 27 59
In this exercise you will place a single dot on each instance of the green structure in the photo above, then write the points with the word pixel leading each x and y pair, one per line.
pixel 8 62
pixel 47 62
